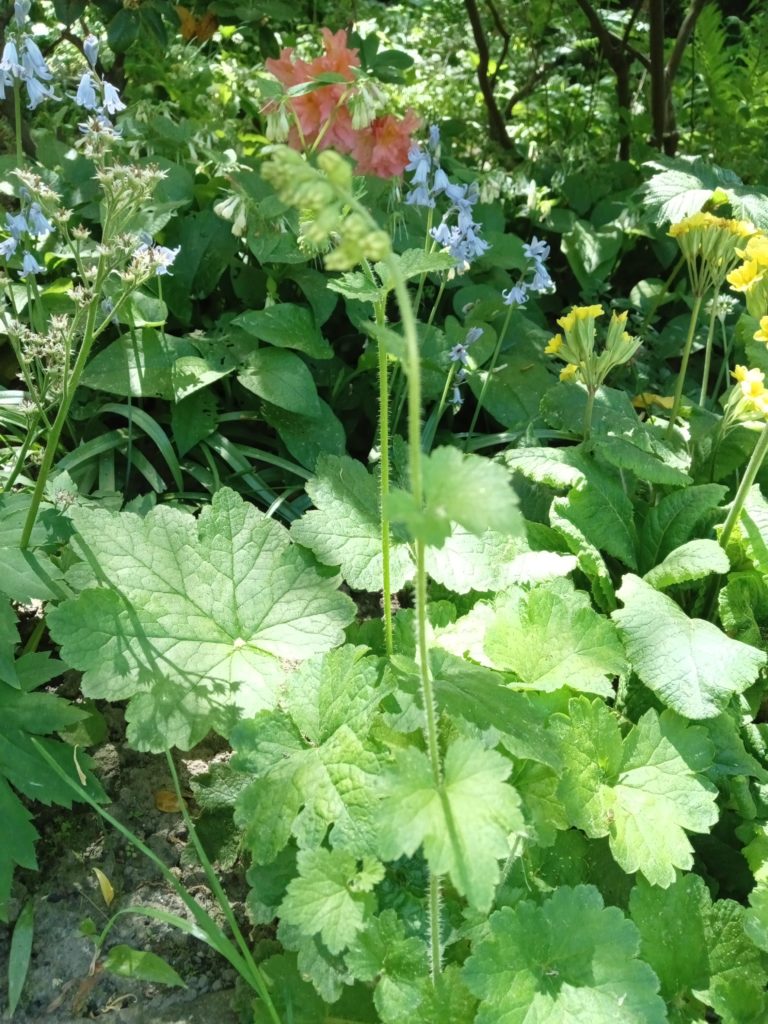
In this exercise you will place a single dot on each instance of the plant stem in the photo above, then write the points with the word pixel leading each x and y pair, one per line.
pixel 708 350
pixel 747 480
pixel 17 121
pixel 386 570
pixel 489 374
pixel 588 412
pixel 66 401
pixel 684 366
pixel 413 374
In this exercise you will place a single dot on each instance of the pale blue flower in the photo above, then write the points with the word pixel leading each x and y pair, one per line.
pixel 165 258
pixel 9 62
pixel 8 247
pixel 29 265
pixel 91 49
pixel 17 224
pixel 37 92
pixel 86 92
pixel 536 250
pixel 473 335
pixel 420 196
pixel 39 225
pixel 434 137
pixel 33 60
pixel 440 182
pixel 20 11
pixel 542 282
pixel 457 397
pixel 112 101
pixel 516 295
pixel 459 354
pixel 420 163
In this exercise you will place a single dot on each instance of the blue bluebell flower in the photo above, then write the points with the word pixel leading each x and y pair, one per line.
pixel 434 137
pixel 516 295
pixel 39 225
pixel 459 354
pixel 473 334
pixel 8 247
pixel 86 92
pixel 420 196
pixel 536 250
pixel 542 282
pixel 457 398
pixel 17 224
pixel 20 11
pixel 91 49
pixel 37 92
pixel 165 258
pixel 112 101
pixel 9 62
pixel 29 265
pixel 33 61
pixel 420 162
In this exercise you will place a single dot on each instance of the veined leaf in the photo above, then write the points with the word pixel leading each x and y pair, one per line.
pixel 691 561
pixel 566 959
pixel 189 619
pixel 673 521
pixel 639 791
pixel 689 663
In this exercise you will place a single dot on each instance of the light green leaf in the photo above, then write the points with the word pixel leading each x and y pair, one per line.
pixel 566 960
pixel 743 606
pixel 691 561
pixel 313 765
pixel 190 619
pixel 689 663
pixel 754 528
pixel 282 378
pixel 331 897
pixel 383 953
pixel 414 263
pixel 640 791
pixel 464 822
pixel 673 521
pixel 466 489
pixel 551 636
pixel 355 285
pixel 287 326
pixel 738 975
pixel 559 468
pixel 654 467
pixel 591 562
pixel 138 963
pixel 344 529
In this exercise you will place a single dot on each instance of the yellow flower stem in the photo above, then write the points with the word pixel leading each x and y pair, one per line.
pixel 747 480
pixel 591 392
pixel 489 374
pixel 684 365
pixel 708 349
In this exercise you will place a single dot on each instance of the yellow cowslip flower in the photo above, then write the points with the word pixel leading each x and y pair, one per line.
pixel 762 334
pixel 569 372
pixel 567 322
pixel 760 403
pixel 744 277
pixel 756 250
pixel 578 313
pixel 696 220
pixel 750 381
pixel 554 345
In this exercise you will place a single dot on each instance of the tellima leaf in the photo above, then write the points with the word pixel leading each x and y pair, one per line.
pixel 190 619
pixel 640 791
pixel 566 960
pixel 464 821
pixel 312 763
pixel 551 637
pixel 689 663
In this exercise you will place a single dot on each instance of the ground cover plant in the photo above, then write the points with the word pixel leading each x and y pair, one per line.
pixel 440 515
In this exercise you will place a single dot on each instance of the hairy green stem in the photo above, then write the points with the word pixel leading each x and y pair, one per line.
pixel 386 560
pixel 684 366
pixel 588 412
pixel 413 373
pixel 17 121
pixel 489 374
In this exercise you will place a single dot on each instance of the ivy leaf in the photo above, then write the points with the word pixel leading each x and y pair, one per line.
pixel 189 619
pixel 673 521
pixel 691 561
pixel 331 896
pixel 344 528
pixel 639 791
pixel 312 763
pixel 689 663
pixel 464 822
pixel 563 960
pixel 465 489
pixel 551 636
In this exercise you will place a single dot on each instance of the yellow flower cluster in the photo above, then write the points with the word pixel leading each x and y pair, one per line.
pixel 708 244
pixel 579 314
pixel 577 348
pixel 751 276
pixel 752 387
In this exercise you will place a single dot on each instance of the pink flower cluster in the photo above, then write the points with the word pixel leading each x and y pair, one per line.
pixel 380 148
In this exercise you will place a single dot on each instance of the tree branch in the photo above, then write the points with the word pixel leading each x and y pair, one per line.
pixel 496 124
pixel 688 25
